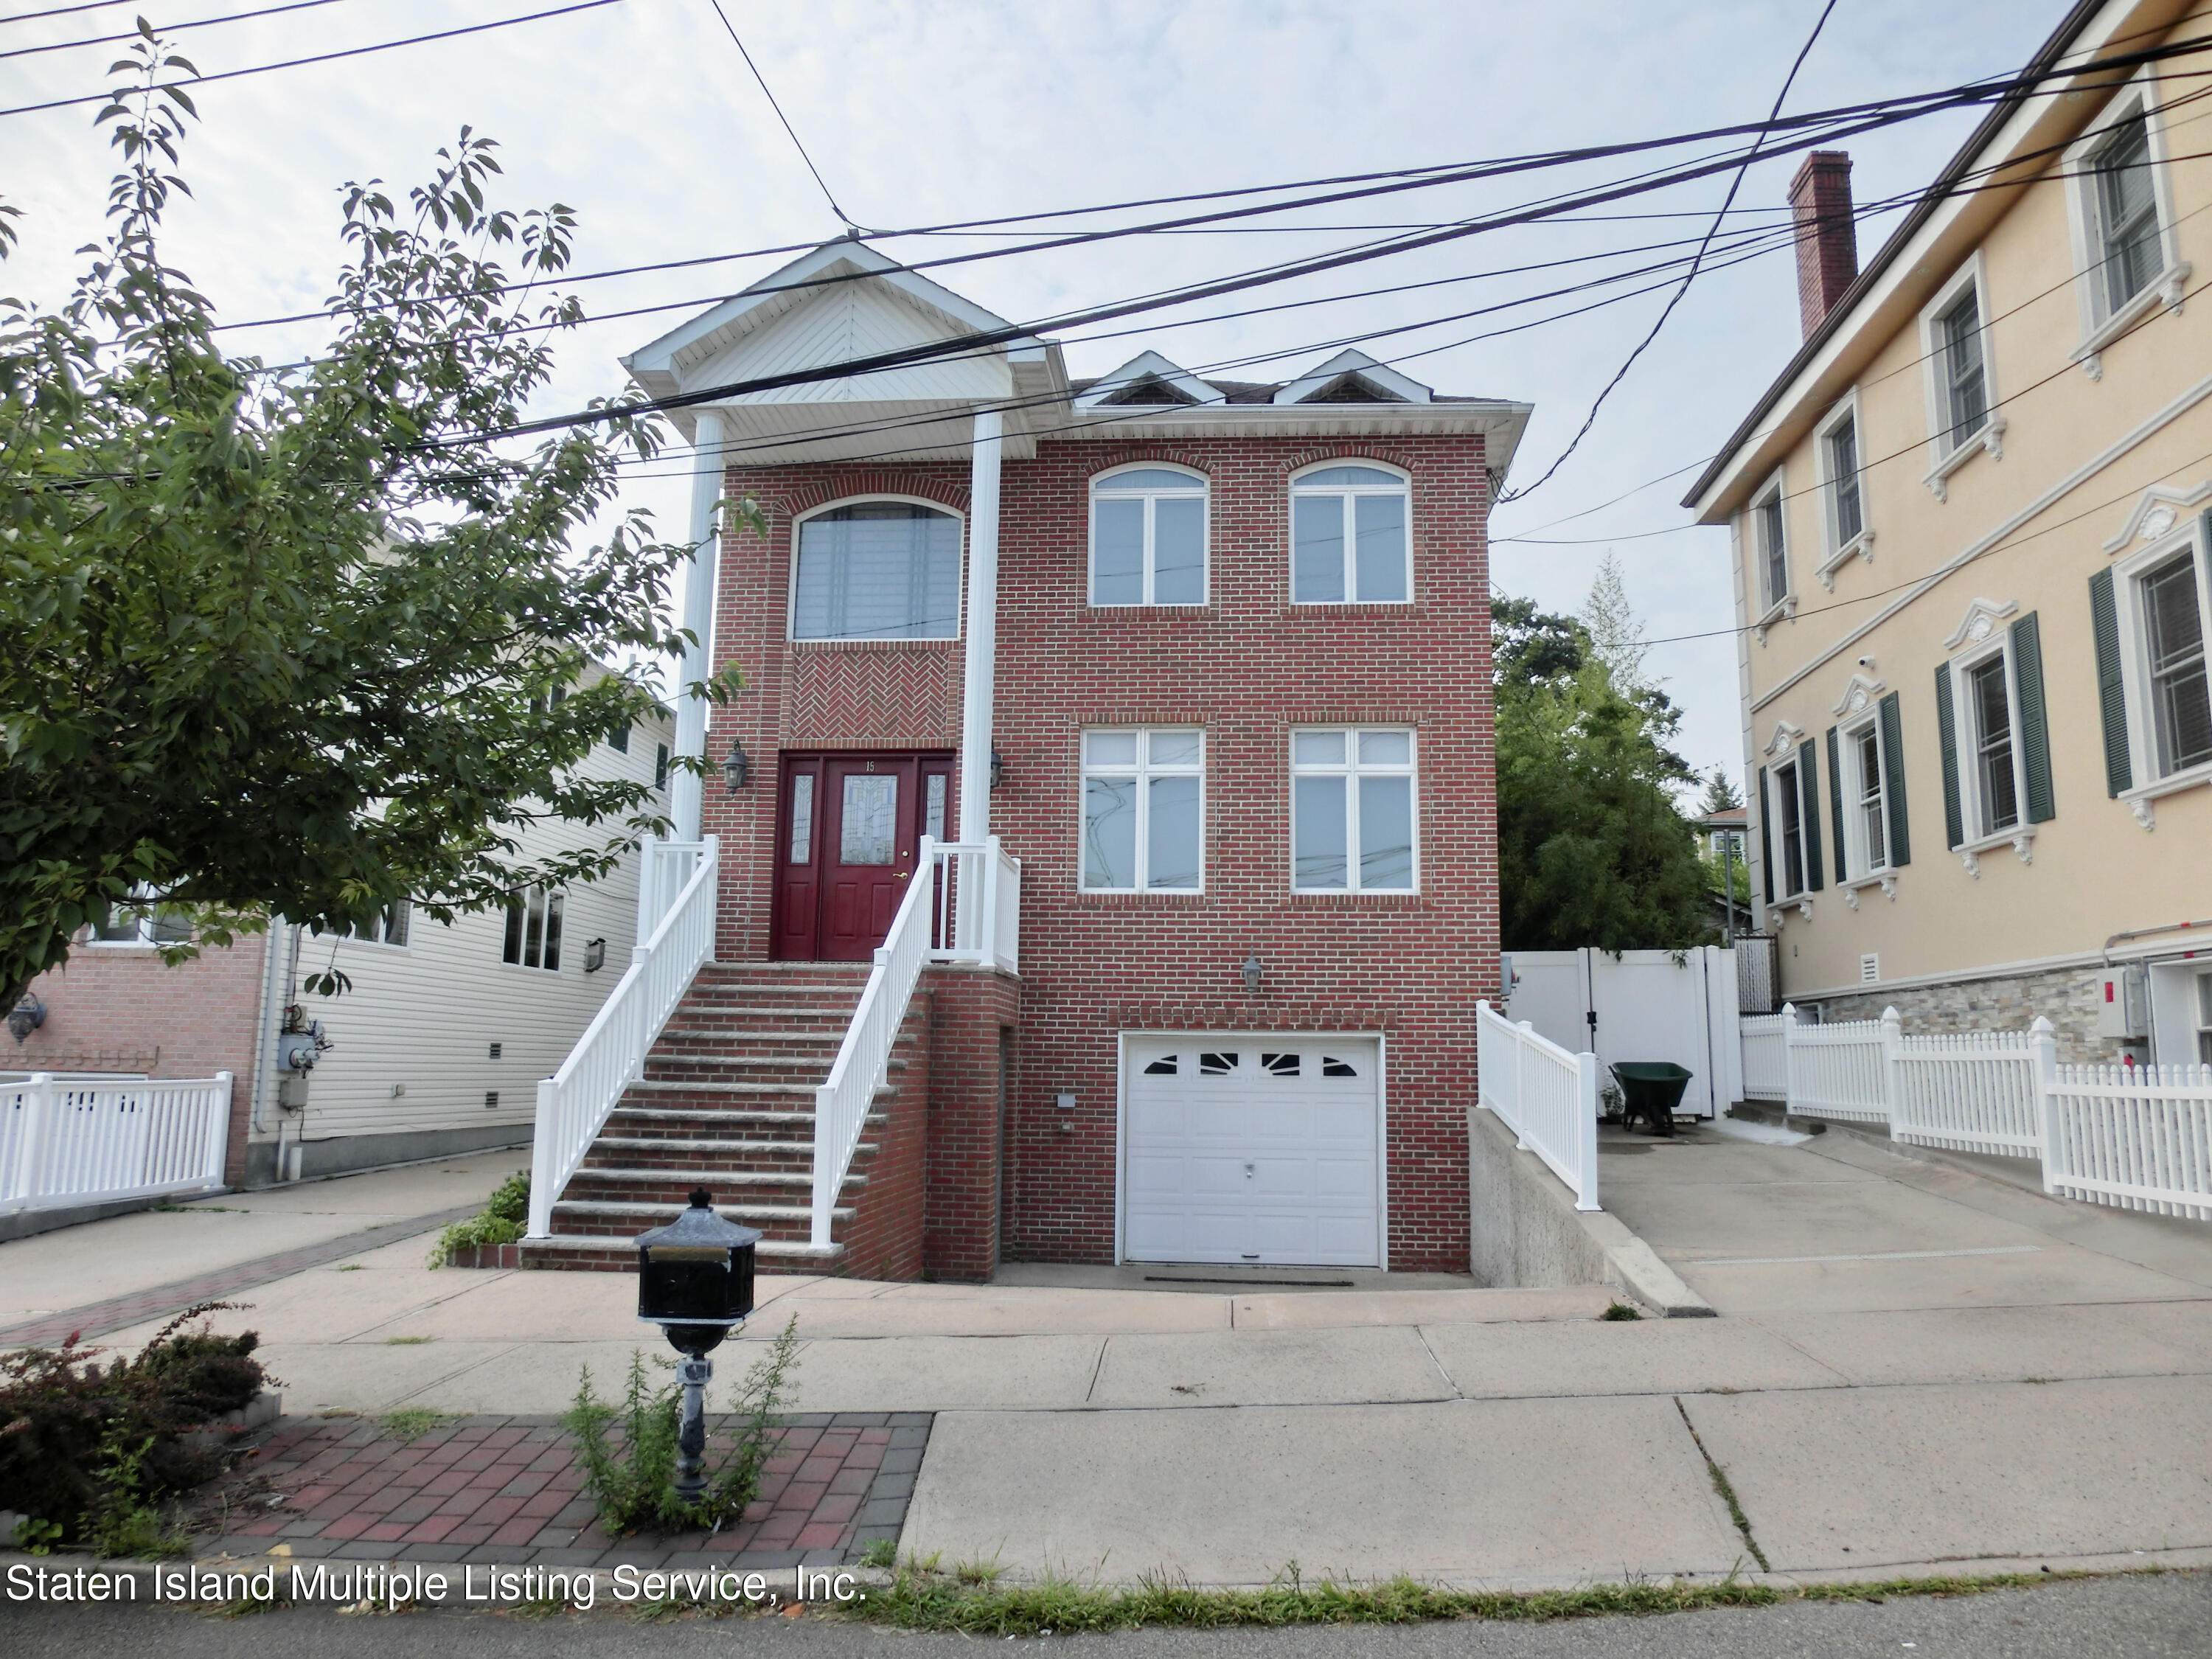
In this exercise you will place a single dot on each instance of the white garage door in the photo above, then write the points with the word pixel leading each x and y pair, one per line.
pixel 1252 1149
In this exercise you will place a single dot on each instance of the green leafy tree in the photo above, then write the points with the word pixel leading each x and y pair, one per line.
pixel 1591 849
pixel 304 642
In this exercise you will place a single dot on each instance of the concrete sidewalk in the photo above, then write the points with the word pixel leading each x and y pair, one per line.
pixel 1916 1370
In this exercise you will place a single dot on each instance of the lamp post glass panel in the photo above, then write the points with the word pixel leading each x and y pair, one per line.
pixel 695 1279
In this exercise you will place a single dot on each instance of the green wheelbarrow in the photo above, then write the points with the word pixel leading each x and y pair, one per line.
pixel 1650 1089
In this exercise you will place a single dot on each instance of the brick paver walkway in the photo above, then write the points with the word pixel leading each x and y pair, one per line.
pixel 510 1491
pixel 97 1318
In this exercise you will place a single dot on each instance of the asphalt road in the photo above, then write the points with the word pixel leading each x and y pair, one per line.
pixel 2168 1616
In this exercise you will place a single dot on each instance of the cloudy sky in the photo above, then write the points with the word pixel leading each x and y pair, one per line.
pixel 642 116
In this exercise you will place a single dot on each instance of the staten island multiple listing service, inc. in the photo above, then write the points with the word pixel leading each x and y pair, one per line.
pixel 376 1586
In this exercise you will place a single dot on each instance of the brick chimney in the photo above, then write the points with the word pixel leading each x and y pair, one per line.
pixel 1827 236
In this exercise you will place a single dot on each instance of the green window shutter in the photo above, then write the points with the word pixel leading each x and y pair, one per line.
pixel 1808 782
pixel 2034 727
pixel 1954 823
pixel 2111 692
pixel 1836 801
pixel 1766 836
pixel 1892 781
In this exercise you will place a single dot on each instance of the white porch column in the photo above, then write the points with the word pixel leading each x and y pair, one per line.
pixel 977 687
pixel 686 793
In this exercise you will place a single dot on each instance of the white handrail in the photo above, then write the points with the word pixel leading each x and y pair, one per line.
pixel 66 1142
pixel 963 905
pixel 574 1102
pixel 1545 1095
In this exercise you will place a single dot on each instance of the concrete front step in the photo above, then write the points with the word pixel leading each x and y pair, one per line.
pixel 597 1252
pixel 636 1147
pixel 625 1218
pixel 671 1183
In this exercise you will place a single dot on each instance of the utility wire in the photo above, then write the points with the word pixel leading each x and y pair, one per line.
pixel 1419 178
pixel 850 222
pixel 320 56
pixel 165 28
pixel 1688 276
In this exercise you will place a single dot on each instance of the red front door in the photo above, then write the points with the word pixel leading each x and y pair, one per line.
pixel 848 826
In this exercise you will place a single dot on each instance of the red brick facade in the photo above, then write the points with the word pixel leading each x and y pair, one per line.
pixel 1247 666
pixel 117 1007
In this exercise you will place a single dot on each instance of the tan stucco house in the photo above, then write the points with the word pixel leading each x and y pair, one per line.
pixel 1969 530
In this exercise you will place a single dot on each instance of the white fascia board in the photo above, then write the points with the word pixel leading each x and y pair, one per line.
pixel 1933 255
pixel 1353 362
pixel 1501 421
pixel 1147 365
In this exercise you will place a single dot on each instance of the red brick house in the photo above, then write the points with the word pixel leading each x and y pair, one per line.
pixel 1209 662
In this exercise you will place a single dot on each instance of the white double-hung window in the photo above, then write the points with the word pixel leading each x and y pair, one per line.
pixel 1960 379
pixel 878 570
pixel 1350 541
pixel 1767 536
pixel 533 929
pixel 1352 810
pixel 1148 537
pixel 2123 254
pixel 2152 619
pixel 1144 810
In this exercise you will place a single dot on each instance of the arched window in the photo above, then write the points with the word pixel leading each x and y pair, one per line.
pixel 1349 536
pixel 878 570
pixel 1148 537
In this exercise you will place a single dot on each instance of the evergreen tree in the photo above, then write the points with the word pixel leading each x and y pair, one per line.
pixel 1616 633
pixel 1720 792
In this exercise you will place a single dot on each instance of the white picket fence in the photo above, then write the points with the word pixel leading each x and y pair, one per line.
pixel 1765 1055
pixel 676 916
pixel 1545 1095
pixel 2136 1136
pixel 2139 1137
pixel 66 1140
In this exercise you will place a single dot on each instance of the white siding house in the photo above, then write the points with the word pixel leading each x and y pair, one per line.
pixel 437 1045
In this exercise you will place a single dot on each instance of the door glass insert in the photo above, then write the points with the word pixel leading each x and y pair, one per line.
pixel 871 819
pixel 1331 1066
pixel 1211 1065
pixel 1164 1066
pixel 933 806
pixel 1279 1065
pixel 802 819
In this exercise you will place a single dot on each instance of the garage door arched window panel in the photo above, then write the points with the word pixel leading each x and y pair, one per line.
pixel 1144 810
pixel 1148 537
pixel 1352 807
pixel 1350 536
pixel 878 570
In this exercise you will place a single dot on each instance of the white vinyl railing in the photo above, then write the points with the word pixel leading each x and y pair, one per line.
pixel 1545 1095
pixel 574 1102
pixel 1972 1091
pixel 963 905
pixel 66 1140
pixel 1766 1056
pixel 2139 1137
pixel 1837 1071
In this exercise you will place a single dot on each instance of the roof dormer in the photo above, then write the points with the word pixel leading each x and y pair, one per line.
pixel 1147 380
pixel 1352 377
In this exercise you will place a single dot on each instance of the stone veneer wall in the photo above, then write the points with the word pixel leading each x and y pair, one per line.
pixel 2067 997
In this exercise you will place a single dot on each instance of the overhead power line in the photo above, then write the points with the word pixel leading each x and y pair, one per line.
pixel 165 28
pixel 796 143
pixel 1689 275
pixel 325 57
pixel 1409 178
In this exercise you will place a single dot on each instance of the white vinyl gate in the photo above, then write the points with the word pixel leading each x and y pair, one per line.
pixel 1649 1006
pixel 1244 1148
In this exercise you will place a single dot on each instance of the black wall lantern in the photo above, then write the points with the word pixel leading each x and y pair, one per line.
pixel 695 1280
pixel 595 956
pixel 998 767
pixel 737 766
pixel 26 1016
pixel 1255 974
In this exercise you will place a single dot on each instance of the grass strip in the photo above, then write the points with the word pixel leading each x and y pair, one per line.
pixel 921 1599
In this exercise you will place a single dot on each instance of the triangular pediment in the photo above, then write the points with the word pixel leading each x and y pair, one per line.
pixel 2156 511
pixel 842 300
pixel 1981 620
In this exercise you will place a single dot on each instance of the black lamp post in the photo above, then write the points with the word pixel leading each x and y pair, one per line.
pixel 695 1279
